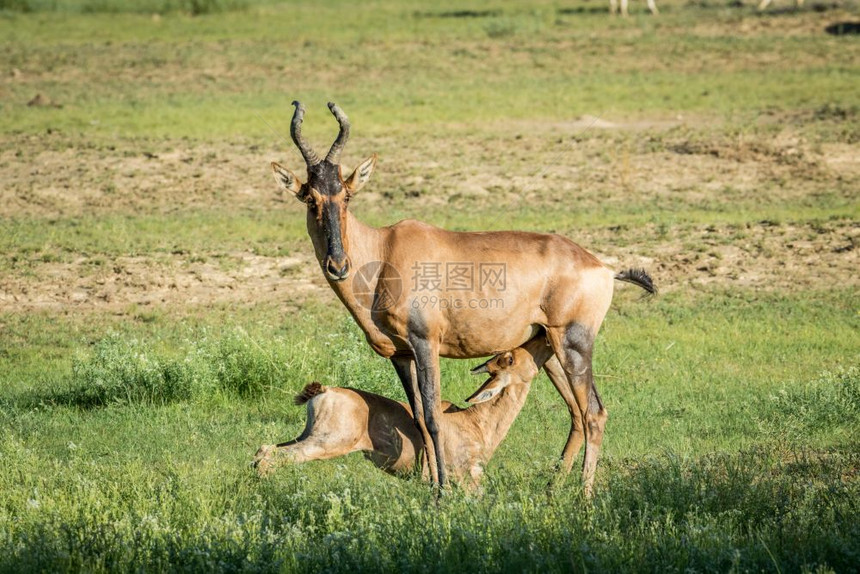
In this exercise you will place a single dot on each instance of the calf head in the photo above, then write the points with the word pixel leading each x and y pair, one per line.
pixel 515 367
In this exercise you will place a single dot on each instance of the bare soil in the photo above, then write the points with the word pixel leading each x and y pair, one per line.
pixel 55 177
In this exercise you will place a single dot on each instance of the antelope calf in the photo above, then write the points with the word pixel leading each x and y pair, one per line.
pixel 344 420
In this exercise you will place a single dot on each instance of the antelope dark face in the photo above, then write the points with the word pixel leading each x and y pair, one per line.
pixel 326 194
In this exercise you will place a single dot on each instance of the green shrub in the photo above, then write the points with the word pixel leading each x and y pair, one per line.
pixel 242 366
pixel 828 403
pixel 17 5
pixel 128 371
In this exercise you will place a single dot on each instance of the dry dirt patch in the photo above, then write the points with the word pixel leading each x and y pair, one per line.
pixel 122 283
pixel 662 164
pixel 58 176
pixel 762 256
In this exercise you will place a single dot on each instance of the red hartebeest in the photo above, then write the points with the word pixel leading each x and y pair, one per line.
pixel 420 292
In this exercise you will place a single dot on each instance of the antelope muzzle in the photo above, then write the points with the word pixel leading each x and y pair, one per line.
pixel 337 268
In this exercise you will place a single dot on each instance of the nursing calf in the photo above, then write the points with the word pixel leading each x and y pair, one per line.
pixel 344 420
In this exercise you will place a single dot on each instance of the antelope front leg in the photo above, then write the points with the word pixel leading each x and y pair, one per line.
pixel 429 383
pixel 406 372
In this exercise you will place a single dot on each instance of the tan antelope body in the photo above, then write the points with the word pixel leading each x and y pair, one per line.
pixel 343 420
pixel 507 286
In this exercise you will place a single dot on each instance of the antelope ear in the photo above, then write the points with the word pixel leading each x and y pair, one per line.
pixel 360 176
pixel 482 368
pixel 286 180
pixel 489 390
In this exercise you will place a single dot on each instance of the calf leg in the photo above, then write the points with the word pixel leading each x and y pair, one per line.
pixel 271 456
pixel 330 431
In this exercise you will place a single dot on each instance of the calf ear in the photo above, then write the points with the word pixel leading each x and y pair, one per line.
pixel 489 390
pixel 360 176
pixel 503 361
pixel 482 368
pixel 286 180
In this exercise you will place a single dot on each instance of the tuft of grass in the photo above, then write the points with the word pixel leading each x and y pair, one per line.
pixel 128 371
pixel 21 5
pixel 242 366
pixel 829 404
pixel 121 370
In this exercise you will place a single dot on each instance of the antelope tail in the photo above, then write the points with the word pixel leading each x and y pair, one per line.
pixel 638 277
pixel 310 391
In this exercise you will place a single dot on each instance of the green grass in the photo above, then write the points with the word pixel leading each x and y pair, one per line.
pixel 717 456
pixel 447 71
pixel 191 7
pixel 733 442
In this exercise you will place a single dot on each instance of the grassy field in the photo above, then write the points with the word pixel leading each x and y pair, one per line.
pixel 160 304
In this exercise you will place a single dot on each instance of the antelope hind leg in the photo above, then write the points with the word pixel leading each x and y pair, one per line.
pixel 573 346
pixel 271 456
pixel 576 436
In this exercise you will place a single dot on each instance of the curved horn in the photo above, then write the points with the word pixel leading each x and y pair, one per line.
pixel 338 145
pixel 311 157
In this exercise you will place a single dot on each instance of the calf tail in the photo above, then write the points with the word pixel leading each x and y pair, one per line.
pixel 638 277
pixel 310 391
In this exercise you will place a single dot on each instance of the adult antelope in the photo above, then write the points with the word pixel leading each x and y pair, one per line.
pixel 344 420
pixel 652 6
pixel 471 295
pixel 765 3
